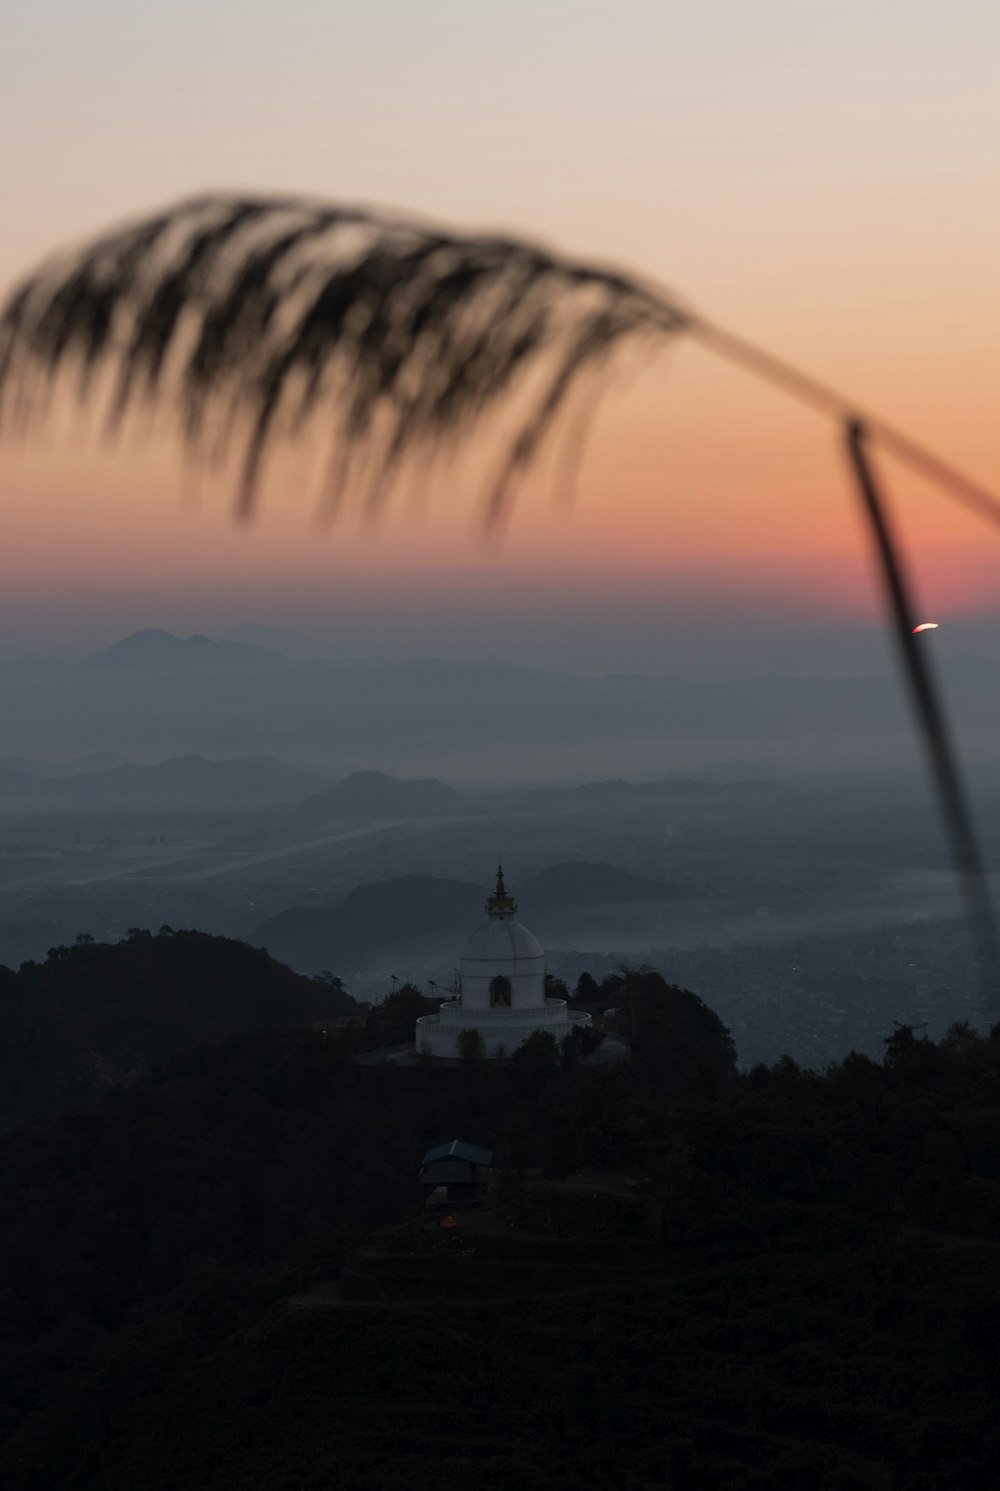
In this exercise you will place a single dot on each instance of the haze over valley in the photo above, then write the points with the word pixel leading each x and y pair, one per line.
pixel 347 815
pixel 488 724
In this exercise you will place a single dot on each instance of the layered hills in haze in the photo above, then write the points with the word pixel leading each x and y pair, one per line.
pixel 185 783
pixel 411 912
pixel 154 694
pixel 367 794
pixel 153 648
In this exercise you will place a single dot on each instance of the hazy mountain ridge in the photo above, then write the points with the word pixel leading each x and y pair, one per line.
pixel 71 766
pixel 374 922
pixel 157 694
pixel 181 783
pixel 284 639
pixel 367 794
pixel 574 883
pixel 153 648
pixel 672 789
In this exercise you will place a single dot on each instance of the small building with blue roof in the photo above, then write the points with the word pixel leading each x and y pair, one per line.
pixel 464 1170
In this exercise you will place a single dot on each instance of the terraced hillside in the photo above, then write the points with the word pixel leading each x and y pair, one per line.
pixel 553 1338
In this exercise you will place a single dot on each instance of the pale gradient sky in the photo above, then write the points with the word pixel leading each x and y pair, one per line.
pixel 820 176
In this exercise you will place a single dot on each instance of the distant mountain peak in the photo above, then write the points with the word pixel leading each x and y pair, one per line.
pixel 154 647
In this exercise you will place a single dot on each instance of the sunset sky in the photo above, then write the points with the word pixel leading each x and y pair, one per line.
pixel 821 177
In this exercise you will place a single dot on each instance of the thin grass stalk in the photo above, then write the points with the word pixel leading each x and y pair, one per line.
pixel 932 725
pixel 825 400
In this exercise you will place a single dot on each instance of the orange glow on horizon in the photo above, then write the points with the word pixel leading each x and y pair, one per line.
pixel 699 489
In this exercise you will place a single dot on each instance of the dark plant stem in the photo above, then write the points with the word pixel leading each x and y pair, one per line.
pixel 932 724
pixel 825 400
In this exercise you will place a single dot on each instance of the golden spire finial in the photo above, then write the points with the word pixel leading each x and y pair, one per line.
pixel 501 903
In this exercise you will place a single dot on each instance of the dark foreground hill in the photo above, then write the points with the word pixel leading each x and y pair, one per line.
pixel 96 1014
pixel 220 1277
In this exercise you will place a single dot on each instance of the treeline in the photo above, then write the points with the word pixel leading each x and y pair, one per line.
pixel 812 1302
pixel 817 1306
pixel 95 1015
pixel 669 1030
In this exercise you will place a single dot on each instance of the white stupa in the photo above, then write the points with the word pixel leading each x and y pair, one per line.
pixel 502 990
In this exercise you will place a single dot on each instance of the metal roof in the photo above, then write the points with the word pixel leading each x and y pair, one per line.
pixel 459 1150
pixel 451 1172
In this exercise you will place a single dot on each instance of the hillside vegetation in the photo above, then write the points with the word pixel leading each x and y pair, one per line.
pixel 95 1015
pixel 220 1276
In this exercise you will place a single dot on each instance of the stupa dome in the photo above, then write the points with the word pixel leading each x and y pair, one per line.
pixel 501 941
pixel 501 996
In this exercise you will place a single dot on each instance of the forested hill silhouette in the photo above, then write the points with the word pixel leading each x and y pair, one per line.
pixel 94 1015
pixel 220 1276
